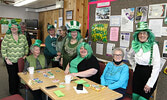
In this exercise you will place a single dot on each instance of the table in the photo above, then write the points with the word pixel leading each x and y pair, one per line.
pixel 70 94
pixel 28 78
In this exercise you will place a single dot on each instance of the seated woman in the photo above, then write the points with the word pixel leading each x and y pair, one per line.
pixel 85 64
pixel 37 61
pixel 116 73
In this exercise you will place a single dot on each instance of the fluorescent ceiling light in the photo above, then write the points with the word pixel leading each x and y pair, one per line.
pixel 23 2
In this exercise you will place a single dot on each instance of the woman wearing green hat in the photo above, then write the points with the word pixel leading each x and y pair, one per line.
pixel 50 45
pixel 85 65
pixel 13 47
pixel 37 61
pixel 145 57
pixel 73 39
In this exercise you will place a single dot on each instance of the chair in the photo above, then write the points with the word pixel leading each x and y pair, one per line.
pixel 13 97
pixel 21 68
pixel 128 95
pixel 102 66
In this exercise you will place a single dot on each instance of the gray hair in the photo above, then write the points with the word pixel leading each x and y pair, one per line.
pixel 118 49
pixel 64 28
pixel 32 48
pixel 22 23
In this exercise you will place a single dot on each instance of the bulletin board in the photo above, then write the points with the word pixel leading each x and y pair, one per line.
pixel 116 7
pixel 4 27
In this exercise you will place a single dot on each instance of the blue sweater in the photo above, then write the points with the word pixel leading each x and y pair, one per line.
pixel 115 76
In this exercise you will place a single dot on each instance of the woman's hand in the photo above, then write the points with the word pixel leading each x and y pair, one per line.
pixel 24 57
pixel 147 89
pixel 73 74
pixel 9 62
pixel 66 71
pixel 61 62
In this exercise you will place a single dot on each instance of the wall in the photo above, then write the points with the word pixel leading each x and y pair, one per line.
pixel 48 17
pixel 79 8
pixel 15 12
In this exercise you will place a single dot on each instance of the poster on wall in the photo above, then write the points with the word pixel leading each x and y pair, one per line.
pixel 102 14
pixel 127 17
pixel 141 14
pixel 99 48
pixel 60 21
pixel 156 28
pixel 99 32
pixel 4 27
pixel 114 33
pixel 115 20
pixel 125 58
pixel 157 11
pixel 164 31
pixel 164 54
pixel 124 39
pixel 110 48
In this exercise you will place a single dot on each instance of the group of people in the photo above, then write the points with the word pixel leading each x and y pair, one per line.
pixel 69 52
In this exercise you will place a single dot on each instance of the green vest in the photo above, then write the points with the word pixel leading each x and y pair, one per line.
pixel 32 60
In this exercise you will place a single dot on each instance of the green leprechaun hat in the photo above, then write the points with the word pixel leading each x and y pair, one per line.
pixel 37 43
pixel 50 26
pixel 74 26
pixel 142 26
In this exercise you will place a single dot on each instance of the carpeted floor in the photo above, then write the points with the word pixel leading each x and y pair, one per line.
pixel 161 89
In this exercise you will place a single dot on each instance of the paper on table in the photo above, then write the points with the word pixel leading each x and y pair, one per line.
pixel 80 91
pixel 81 81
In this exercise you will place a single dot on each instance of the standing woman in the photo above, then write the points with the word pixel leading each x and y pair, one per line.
pixel 144 54
pixel 60 41
pixel 14 46
pixel 73 39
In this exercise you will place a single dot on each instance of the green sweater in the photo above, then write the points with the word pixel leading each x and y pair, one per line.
pixel 33 61
pixel 12 49
pixel 50 49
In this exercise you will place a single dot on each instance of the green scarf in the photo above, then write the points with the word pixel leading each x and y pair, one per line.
pixel 74 64
pixel 136 45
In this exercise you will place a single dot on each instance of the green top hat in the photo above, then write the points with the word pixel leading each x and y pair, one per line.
pixel 74 26
pixel 142 26
pixel 37 43
pixel 50 27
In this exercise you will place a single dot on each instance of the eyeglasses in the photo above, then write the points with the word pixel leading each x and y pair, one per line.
pixel 143 33
pixel 117 55
pixel 14 27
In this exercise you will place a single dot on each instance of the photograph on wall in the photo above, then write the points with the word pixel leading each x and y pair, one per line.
pixel 102 14
pixel 127 17
pixel 124 39
pixel 157 11
pixel 164 54
pixel 99 32
pixel 141 14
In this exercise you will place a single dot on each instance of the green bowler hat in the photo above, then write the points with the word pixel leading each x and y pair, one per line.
pixel 74 26
pixel 50 26
pixel 37 43
pixel 142 26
